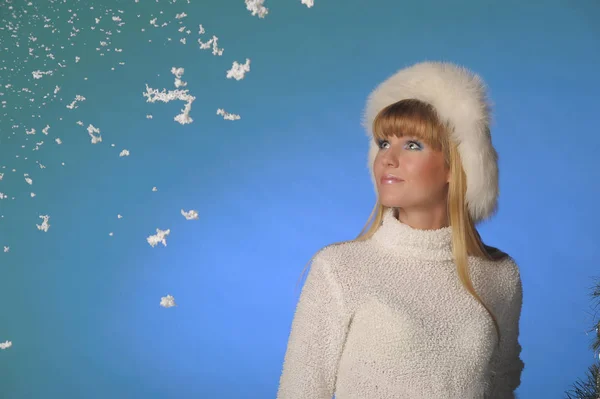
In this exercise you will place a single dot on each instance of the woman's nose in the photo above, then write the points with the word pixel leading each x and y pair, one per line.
pixel 390 157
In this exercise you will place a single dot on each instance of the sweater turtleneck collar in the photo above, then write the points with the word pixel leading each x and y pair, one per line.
pixel 412 242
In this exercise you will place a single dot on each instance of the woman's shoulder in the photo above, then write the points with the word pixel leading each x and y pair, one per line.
pixel 495 253
pixel 349 263
pixel 343 252
pixel 504 265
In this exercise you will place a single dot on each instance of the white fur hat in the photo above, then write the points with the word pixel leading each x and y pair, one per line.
pixel 459 97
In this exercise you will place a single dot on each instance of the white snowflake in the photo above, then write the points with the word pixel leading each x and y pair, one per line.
pixel 38 74
pixel 213 42
pixel 45 225
pixel 257 7
pixel 154 95
pixel 159 237
pixel 190 215
pixel 238 71
pixel 94 133
pixel 78 98
pixel 227 116
pixel 167 301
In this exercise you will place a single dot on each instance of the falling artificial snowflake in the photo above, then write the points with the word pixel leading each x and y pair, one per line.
pixel 167 301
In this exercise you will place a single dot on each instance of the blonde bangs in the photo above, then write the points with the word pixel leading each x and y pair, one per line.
pixel 411 118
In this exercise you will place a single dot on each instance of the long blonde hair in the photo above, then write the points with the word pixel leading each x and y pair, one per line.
pixel 419 119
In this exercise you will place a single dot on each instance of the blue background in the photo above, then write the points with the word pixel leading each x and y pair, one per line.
pixel 82 308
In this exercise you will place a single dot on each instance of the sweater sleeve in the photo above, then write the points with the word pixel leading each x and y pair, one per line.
pixel 316 339
pixel 506 364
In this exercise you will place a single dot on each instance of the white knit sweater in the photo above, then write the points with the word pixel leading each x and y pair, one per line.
pixel 388 318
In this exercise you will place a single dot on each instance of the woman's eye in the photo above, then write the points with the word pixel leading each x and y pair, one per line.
pixel 415 145
pixel 381 142
pixel 411 144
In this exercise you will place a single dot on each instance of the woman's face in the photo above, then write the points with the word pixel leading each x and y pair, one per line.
pixel 423 176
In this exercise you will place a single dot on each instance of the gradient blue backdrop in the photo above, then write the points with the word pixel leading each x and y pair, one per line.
pixel 82 308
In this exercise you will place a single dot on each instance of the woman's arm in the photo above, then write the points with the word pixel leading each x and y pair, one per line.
pixel 316 339
pixel 506 365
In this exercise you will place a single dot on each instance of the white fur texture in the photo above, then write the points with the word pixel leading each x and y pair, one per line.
pixel 459 97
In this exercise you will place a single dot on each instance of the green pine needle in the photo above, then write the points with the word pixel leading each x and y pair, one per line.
pixel 590 387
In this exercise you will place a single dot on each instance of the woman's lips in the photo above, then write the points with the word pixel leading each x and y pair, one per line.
pixel 387 179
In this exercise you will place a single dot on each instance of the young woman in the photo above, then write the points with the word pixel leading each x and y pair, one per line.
pixel 417 306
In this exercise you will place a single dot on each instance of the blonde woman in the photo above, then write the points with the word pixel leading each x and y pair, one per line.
pixel 417 306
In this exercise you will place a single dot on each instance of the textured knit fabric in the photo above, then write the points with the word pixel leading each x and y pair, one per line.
pixel 389 318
